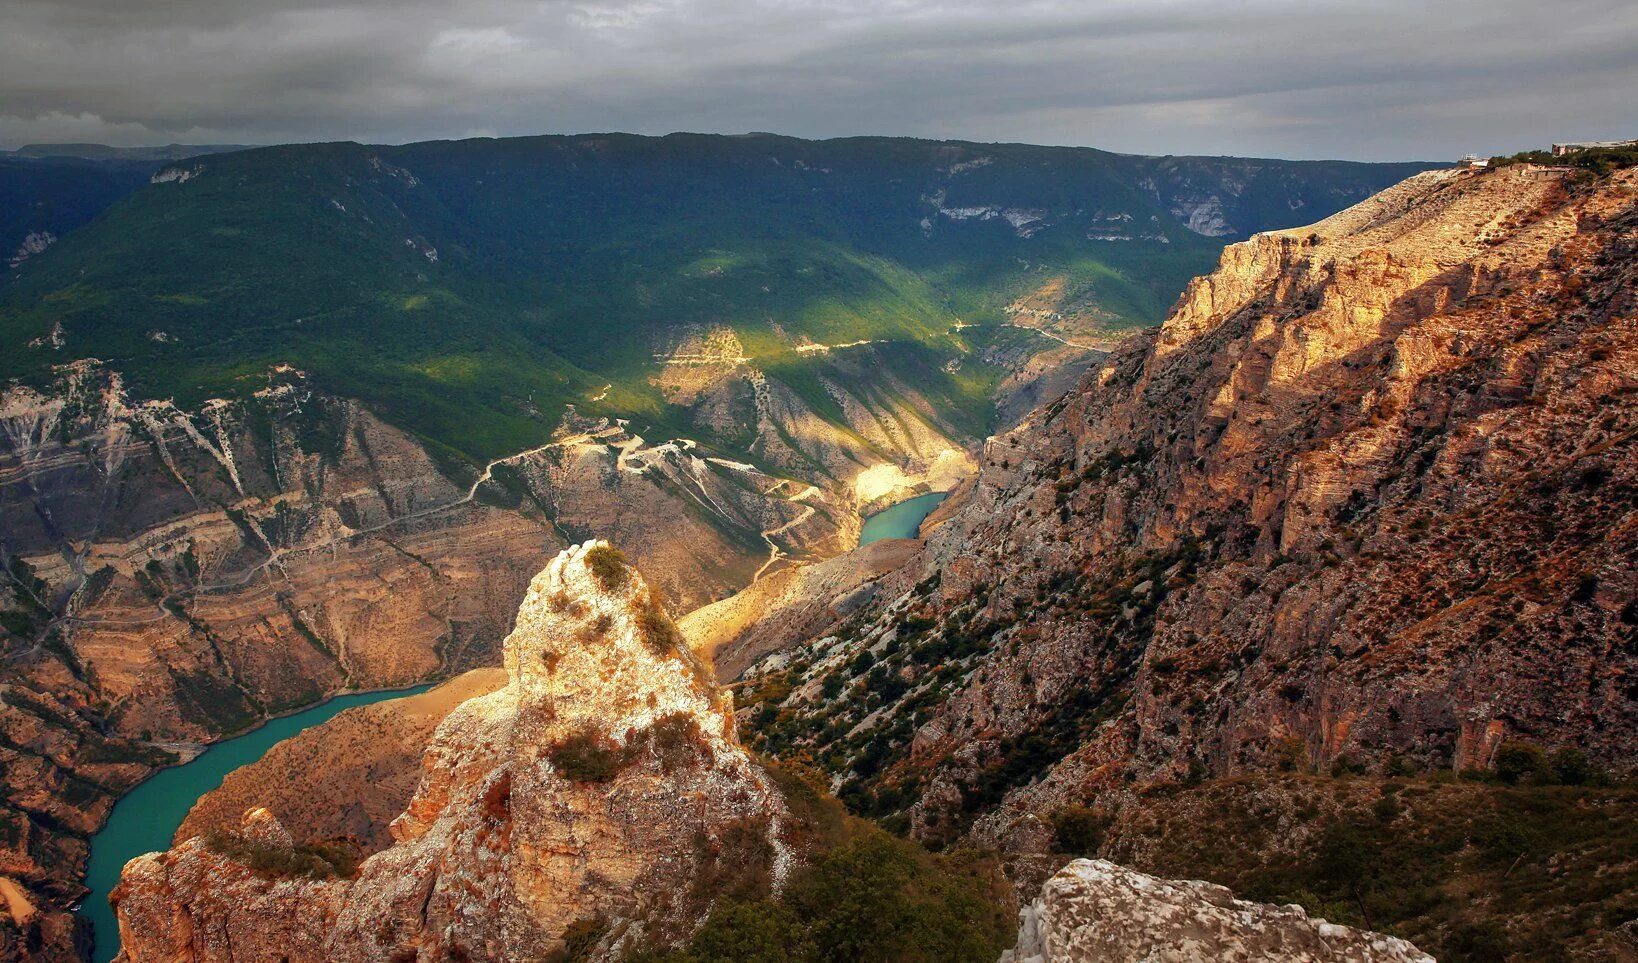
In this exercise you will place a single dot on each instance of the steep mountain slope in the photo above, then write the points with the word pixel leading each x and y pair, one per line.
pixel 1365 500
pixel 48 190
pixel 43 198
pixel 584 801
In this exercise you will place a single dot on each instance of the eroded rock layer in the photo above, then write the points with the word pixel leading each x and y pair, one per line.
pixel 582 802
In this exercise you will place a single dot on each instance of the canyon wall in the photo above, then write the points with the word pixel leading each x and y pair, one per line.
pixel 1365 500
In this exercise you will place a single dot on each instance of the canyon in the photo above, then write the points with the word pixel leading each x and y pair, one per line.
pixel 179 575
pixel 1363 503
pixel 253 452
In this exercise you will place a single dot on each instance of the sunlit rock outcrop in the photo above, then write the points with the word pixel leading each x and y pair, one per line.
pixel 583 802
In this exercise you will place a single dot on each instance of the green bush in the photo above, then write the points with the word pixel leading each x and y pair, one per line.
pixel 884 898
pixel 582 937
pixel 658 631
pixel 1291 755
pixel 587 756
pixel 865 895
pixel 314 861
pixel 674 739
pixel 1078 830
pixel 608 566
pixel 1599 160
pixel 759 931
pixel 1573 768
pixel 1517 761
pixel 1481 942
pixel 1387 809
pixel 1400 766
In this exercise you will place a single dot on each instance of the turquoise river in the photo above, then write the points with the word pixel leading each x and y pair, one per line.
pixel 902 520
pixel 146 818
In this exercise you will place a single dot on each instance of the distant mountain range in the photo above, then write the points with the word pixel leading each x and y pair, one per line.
pixel 469 290
pixel 103 152
pixel 47 190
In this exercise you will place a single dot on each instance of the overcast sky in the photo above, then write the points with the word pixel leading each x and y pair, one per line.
pixel 1367 79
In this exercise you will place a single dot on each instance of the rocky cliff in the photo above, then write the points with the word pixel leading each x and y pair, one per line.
pixel 1365 499
pixel 1093 911
pixel 579 807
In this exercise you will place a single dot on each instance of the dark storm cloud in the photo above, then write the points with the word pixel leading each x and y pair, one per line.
pixel 1383 79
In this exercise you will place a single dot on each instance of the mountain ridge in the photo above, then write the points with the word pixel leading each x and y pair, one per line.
pixel 446 263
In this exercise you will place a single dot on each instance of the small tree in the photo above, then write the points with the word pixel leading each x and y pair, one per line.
pixel 587 756
pixel 1291 754
pixel 1516 761
pixel 1079 830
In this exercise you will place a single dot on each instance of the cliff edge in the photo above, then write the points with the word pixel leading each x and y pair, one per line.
pixel 575 808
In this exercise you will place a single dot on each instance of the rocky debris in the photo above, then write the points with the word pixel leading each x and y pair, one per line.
pixel 1094 911
pixel 176 175
pixel 586 800
pixel 1365 498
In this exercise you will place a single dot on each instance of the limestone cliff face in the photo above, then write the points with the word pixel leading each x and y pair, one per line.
pixel 788 607
pixel 584 801
pixel 1367 494
pixel 1093 911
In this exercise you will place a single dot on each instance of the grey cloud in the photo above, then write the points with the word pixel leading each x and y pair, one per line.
pixel 1373 80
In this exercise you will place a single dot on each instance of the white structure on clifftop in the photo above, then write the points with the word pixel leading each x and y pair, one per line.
pixel 1560 150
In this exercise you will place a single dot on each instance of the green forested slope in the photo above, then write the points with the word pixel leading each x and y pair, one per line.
pixel 469 289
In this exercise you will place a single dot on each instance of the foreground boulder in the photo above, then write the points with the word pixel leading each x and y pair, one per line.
pixel 575 809
pixel 1094 911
